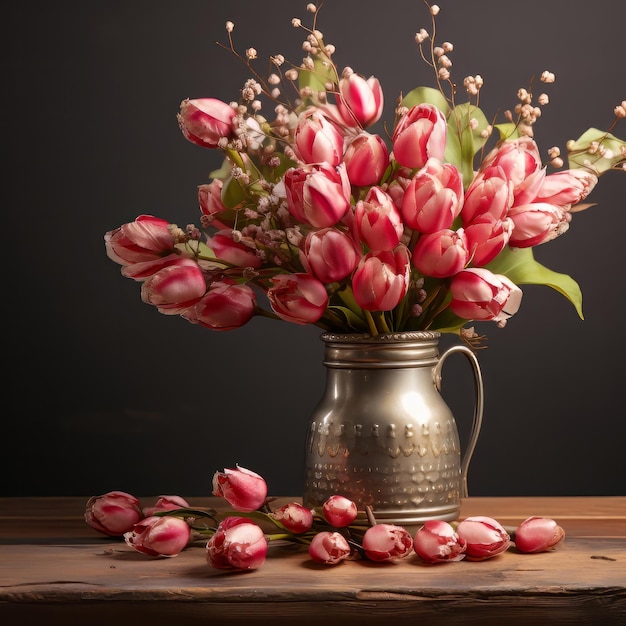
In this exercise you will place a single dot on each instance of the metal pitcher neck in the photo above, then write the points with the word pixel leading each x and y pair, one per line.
pixel 393 350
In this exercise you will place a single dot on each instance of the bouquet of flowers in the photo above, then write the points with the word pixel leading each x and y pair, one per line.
pixel 315 219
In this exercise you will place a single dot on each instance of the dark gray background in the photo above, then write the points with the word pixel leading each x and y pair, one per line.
pixel 102 392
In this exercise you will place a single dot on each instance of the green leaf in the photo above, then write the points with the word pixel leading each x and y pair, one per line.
pixel 508 131
pixel 352 320
pixel 579 154
pixel 323 72
pixel 469 137
pixel 520 266
pixel 232 193
pixel 427 95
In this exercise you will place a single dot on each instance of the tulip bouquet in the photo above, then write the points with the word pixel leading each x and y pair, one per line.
pixel 238 540
pixel 313 218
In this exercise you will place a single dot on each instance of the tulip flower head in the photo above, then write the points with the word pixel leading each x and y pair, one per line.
pixel 159 536
pixel 244 489
pixel 484 537
pixel 538 534
pixel 113 513
pixel 238 544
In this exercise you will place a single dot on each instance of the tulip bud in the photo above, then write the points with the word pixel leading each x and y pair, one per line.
pixel 238 544
pixel 360 101
pixel 387 542
pixel 381 279
pixel 205 121
pixel 433 198
pixel 441 254
pixel 486 238
pixel 113 513
pixel 536 223
pixel 420 134
pixel 233 252
pixel 339 511
pixel 145 239
pixel 298 298
pixel 224 307
pixel 378 220
pixel 294 517
pixel 537 534
pixel 174 288
pixel 317 139
pixel 478 294
pixel 366 158
pixel 318 194
pixel 166 503
pixel 329 254
pixel 159 536
pixel 484 537
pixel 242 488
pixel 437 542
pixel 329 548
pixel 491 192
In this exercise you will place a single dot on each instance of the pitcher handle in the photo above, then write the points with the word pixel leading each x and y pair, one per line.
pixel 478 407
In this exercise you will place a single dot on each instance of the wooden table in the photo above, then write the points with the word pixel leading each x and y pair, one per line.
pixel 57 570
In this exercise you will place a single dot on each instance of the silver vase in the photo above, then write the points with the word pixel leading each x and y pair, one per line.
pixel 382 435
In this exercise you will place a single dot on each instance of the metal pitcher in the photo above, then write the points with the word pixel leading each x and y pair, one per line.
pixel 382 435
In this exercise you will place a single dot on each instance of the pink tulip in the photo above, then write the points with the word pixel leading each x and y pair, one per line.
pixel 339 511
pixel 491 193
pixel 537 534
pixel 486 237
pixel 238 544
pixel 233 252
pixel 567 187
pixel 420 135
pixel 242 488
pixel 205 121
pixel 433 198
pixel 329 548
pixel 520 161
pixel 381 279
pixel 387 542
pixel 175 288
pixel 441 254
pixel 378 220
pixel 226 306
pixel 145 269
pixel 317 139
pixel 113 513
pixel 537 223
pixel 166 503
pixel 329 254
pixel 366 158
pixel 437 542
pixel 210 203
pixel 298 298
pixel 294 517
pixel 318 194
pixel 159 536
pixel 484 537
pixel 478 294
pixel 146 239
pixel 360 101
